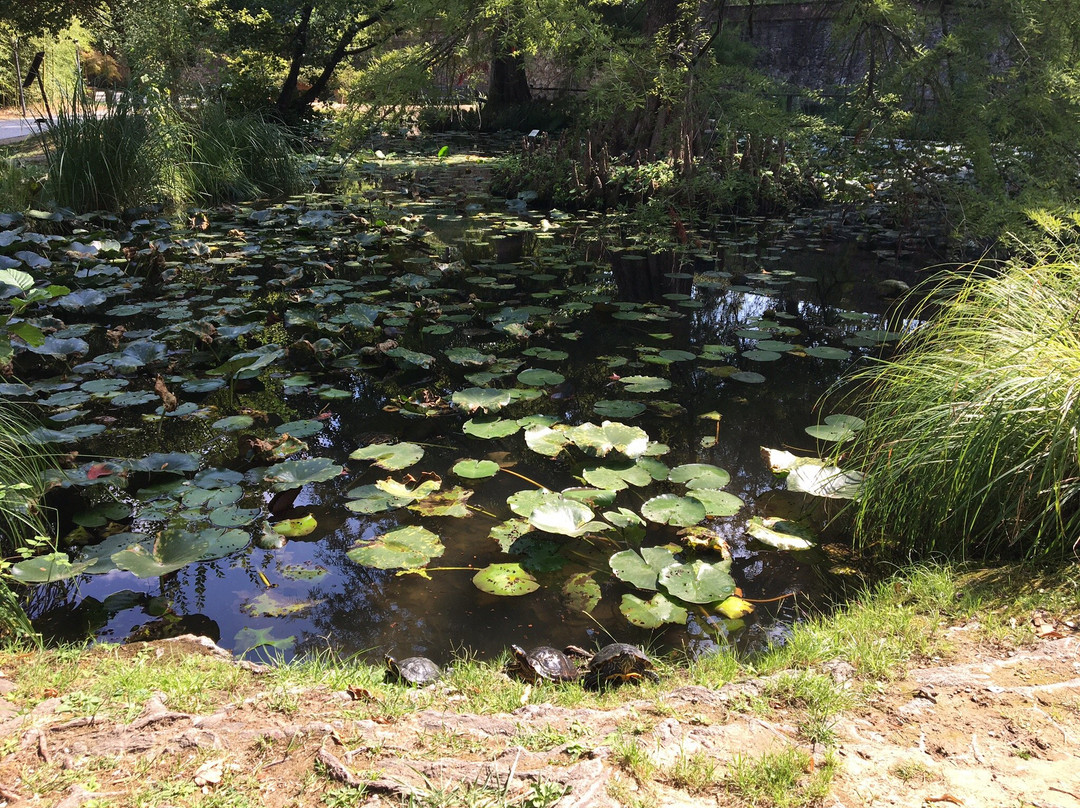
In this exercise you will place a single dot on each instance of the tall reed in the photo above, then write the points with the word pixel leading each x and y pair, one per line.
pixel 971 440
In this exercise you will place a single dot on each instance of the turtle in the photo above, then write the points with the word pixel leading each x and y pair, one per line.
pixel 414 670
pixel 542 663
pixel 616 663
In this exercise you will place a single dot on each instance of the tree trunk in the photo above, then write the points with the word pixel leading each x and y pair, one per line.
pixel 507 83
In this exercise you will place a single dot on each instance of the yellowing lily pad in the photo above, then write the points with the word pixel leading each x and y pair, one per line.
pixel 404 548
pixel 508 580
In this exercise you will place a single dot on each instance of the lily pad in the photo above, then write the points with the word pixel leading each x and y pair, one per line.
pixel 508 580
pixel 618 408
pixel 717 503
pixel 539 377
pixel 825 481
pixel 780 533
pixel 297 526
pixel 47 568
pixel 481 398
pixel 645 384
pixel 581 593
pixel 652 613
pixel 490 428
pixel 669 509
pixel 390 456
pixel 546 440
pixel 475 469
pixel 297 473
pixel 565 517
pixel 699 475
pixel 404 548
pixel 698 582
pixel 641 569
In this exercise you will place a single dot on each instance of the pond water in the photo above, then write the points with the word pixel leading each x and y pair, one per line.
pixel 321 367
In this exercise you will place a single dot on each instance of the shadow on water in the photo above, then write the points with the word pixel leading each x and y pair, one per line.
pixel 603 311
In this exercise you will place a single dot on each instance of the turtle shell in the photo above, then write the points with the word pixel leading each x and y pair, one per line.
pixel 416 670
pixel 619 662
pixel 543 662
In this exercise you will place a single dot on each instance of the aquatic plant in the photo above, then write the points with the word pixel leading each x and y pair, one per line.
pixel 970 444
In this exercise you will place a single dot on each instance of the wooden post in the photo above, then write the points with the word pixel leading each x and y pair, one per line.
pixel 18 75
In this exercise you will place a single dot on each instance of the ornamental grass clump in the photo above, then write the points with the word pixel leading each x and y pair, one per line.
pixel 970 446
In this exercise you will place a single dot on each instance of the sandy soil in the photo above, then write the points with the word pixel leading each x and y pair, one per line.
pixel 992 728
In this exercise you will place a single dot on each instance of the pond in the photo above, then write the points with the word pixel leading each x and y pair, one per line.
pixel 404 416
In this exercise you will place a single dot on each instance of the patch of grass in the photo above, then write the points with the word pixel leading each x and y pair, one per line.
pixel 969 448
pixel 694 773
pixel 913 772
pixel 629 753
pixel 715 669
pixel 821 699
pixel 783 779
pixel 547 737
pixel 344 797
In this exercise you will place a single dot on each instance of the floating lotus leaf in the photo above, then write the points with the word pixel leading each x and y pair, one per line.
pixel 593 497
pixel 234 423
pixel 761 356
pixel 780 533
pixel 412 357
pixel 302 572
pixel 481 398
pixel 698 582
pixel 524 502
pixel 490 428
pixel 508 580
pixel 47 568
pixel 623 517
pixel 296 527
pixel 825 481
pixel 445 503
pixel 231 516
pixel 547 354
pixel 468 356
pixel 581 593
pixel 269 604
pixel 539 377
pixel 475 469
pixel 370 499
pixel 300 429
pixel 641 569
pixel 774 345
pixel 402 491
pixel 508 532
pixel 270 539
pixel 566 517
pixel 248 639
pixel 99 556
pixel 676 356
pixel 545 440
pixel 699 475
pixel 102 514
pixel 296 473
pixel 835 433
pixel 212 497
pixel 616 477
pixel 717 503
pixel 748 377
pixel 598 441
pixel 404 548
pixel 652 613
pixel 827 352
pixel 217 478
pixel 390 456
pixel 175 548
pixel 645 384
pixel 170 462
pixel 734 607
pixel 668 509
pixel 618 408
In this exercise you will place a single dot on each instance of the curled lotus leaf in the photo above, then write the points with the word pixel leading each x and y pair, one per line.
pixel 508 580
pixel 780 533
pixel 404 548
pixel 563 516
pixel 652 613
pixel 390 456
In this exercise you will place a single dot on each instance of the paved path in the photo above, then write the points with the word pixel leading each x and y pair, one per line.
pixel 16 128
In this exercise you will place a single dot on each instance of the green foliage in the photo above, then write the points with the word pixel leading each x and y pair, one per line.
pixel 970 438
pixel 132 155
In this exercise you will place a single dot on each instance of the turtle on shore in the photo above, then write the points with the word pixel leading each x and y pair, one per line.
pixel 541 664
pixel 417 670
pixel 616 663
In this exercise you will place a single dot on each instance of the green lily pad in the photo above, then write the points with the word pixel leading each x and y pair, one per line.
pixel 508 532
pixel 390 456
pixel 618 408
pixel 475 469
pixel 481 398
pixel 652 613
pixel 490 428
pixel 539 377
pixel 565 517
pixel 248 639
pixel 641 569
pixel 296 473
pixel 234 423
pixel 300 429
pixel 269 604
pixel 303 572
pixel 699 475
pixel 780 533
pixel 616 477
pixel 698 582
pixel 508 580
pixel 645 384
pixel 101 515
pixel 598 441
pixel 524 502
pixel 296 527
pixel 827 352
pixel 546 440
pixel 404 548
pixel 47 568
pixel 748 377
pixel 212 497
pixel 668 509
pixel 717 503
pixel 468 356
pixel 231 516
pixel 581 593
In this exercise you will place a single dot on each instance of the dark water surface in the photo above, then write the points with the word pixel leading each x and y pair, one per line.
pixel 471 264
